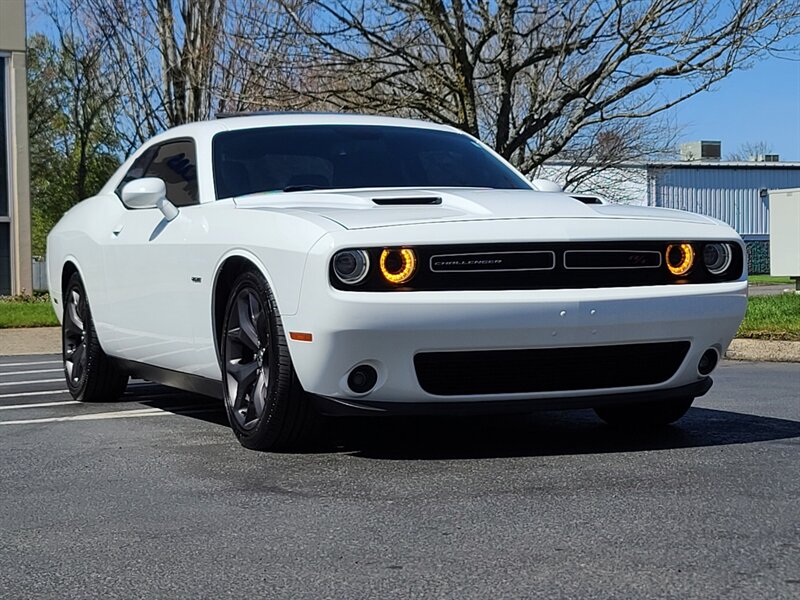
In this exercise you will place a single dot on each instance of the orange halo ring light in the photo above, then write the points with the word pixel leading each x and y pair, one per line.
pixel 398 265
pixel 679 258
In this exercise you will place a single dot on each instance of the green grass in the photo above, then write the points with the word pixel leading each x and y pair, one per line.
pixel 772 318
pixel 767 279
pixel 26 311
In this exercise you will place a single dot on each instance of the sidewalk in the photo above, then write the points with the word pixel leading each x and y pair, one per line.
pixel 47 340
pixel 33 340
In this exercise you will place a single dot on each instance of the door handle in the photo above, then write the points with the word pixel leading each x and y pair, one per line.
pixel 118 229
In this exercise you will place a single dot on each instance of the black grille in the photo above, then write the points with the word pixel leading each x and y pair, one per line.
pixel 541 266
pixel 493 261
pixel 612 259
pixel 548 369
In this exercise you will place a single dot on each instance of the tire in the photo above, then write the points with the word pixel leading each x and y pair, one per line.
pixel 266 405
pixel 644 414
pixel 91 375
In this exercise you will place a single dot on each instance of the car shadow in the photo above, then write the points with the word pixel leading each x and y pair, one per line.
pixel 549 433
pixel 203 408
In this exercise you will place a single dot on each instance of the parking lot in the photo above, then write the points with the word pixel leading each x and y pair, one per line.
pixel 153 497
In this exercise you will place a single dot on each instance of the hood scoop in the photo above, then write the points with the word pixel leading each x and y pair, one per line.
pixel 586 199
pixel 408 201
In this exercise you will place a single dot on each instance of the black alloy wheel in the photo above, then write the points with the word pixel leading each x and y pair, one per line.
pixel 247 358
pixel 266 405
pixel 75 355
pixel 91 375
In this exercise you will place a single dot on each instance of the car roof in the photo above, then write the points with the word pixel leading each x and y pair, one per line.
pixel 251 121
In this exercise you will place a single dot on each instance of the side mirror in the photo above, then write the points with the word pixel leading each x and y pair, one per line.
pixel 149 192
pixel 545 185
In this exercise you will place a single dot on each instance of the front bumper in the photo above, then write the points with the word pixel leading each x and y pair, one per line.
pixel 337 407
pixel 387 330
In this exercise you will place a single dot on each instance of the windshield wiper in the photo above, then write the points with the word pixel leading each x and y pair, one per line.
pixel 303 188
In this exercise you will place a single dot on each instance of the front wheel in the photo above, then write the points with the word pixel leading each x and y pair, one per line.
pixel 266 405
pixel 91 375
pixel 645 414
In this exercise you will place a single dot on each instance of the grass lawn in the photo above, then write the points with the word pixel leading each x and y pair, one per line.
pixel 17 313
pixel 767 279
pixel 772 318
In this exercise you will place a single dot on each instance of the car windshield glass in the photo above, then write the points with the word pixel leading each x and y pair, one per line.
pixel 308 157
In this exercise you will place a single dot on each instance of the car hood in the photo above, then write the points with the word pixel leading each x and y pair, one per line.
pixel 368 208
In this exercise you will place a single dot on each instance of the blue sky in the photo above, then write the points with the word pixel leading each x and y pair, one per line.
pixel 758 104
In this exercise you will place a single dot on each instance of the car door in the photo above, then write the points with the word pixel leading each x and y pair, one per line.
pixel 148 263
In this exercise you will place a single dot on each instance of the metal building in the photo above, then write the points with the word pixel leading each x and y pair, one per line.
pixel 734 192
pixel 15 229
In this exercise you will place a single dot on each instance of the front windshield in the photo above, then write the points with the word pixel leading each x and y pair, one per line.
pixel 306 157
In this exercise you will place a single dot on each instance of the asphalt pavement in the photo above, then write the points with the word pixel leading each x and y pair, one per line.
pixel 152 497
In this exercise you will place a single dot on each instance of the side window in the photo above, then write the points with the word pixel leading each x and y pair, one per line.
pixel 137 170
pixel 176 164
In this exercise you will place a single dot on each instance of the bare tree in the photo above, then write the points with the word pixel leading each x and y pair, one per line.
pixel 605 154
pixel 751 151
pixel 78 100
pixel 73 142
pixel 164 55
pixel 531 78
pixel 176 61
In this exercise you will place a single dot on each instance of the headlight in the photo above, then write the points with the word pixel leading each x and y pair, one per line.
pixel 717 258
pixel 398 265
pixel 351 266
pixel 680 258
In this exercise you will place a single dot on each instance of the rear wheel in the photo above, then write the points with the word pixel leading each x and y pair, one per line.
pixel 266 405
pixel 91 375
pixel 645 414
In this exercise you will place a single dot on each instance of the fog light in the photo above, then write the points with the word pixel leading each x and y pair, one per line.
pixel 680 258
pixel 362 379
pixel 707 362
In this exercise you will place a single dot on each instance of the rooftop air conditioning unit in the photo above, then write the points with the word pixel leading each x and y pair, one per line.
pixel 703 150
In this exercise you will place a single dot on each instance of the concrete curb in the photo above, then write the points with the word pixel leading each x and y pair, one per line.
pixel 764 350
pixel 47 340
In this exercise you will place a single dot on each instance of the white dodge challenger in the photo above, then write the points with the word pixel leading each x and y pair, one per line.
pixel 304 264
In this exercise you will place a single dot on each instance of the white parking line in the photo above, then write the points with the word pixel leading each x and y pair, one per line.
pixel 33 381
pixel 34 371
pixel 39 405
pixel 125 414
pixel 47 393
pixel 29 364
